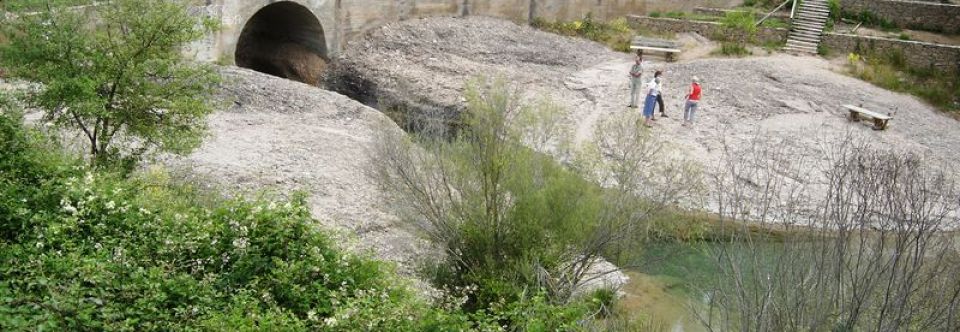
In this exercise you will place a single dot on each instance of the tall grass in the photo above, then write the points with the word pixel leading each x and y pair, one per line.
pixel 731 49
pixel 616 34
pixel 768 4
pixel 872 20
pixel 891 71
pixel 32 5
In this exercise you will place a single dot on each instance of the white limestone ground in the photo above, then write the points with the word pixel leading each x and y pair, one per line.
pixel 795 101
pixel 283 136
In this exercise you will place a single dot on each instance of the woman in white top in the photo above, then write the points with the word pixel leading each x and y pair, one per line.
pixel 653 90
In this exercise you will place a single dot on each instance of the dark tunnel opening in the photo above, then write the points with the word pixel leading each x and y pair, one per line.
pixel 284 39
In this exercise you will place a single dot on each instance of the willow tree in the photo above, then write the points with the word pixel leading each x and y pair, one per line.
pixel 115 71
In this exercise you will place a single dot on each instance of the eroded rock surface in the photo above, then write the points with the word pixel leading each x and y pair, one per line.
pixel 285 136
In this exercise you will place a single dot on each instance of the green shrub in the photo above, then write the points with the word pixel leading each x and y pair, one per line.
pixel 823 50
pixel 891 71
pixel 763 4
pixel 737 22
pixel 616 33
pixel 603 300
pixel 33 5
pixel 835 12
pixel 775 23
pixel 732 49
pixel 675 14
pixel 870 19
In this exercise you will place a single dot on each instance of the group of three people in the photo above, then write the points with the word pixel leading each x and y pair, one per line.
pixel 654 94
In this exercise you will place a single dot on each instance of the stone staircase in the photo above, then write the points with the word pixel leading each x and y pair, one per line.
pixel 807 27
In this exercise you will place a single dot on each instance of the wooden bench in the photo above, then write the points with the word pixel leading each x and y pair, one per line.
pixel 669 48
pixel 879 120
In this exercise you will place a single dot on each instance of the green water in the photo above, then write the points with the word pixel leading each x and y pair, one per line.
pixel 671 280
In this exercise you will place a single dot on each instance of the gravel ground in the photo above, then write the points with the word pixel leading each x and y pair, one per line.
pixel 795 101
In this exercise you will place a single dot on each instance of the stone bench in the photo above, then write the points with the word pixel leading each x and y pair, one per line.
pixel 879 120
pixel 669 48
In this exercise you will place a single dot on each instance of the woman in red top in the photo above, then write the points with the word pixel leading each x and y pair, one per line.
pixel 693 102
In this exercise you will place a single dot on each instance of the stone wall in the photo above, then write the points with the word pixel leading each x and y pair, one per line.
pixel 685 5
pixel 346 20
pixel 918 54
pixel 711 30
pixel 783 14
pixel 910 14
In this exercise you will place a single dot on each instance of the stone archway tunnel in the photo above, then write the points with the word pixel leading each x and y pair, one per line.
pixel 296 38
pixel 283 39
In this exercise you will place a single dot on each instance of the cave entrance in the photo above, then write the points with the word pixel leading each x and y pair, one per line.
pixel 283 39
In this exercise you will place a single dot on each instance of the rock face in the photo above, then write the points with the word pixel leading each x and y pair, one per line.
pixel 602 275
pixel 423 65
pixel 286 136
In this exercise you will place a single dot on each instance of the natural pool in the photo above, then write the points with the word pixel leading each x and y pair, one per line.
pixel 671 282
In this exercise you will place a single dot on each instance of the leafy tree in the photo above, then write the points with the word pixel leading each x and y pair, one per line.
pixel 116 72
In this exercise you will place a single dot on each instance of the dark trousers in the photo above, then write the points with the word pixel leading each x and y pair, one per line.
pixel 660 101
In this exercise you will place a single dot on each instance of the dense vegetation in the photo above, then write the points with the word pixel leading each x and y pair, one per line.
pixel 84 248
pixel 616 34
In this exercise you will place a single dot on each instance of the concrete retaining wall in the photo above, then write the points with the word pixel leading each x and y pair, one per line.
pixel 945 58
pixel 910 14
pixel 707 29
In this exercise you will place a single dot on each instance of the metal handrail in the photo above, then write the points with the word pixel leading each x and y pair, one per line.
pixel 774 11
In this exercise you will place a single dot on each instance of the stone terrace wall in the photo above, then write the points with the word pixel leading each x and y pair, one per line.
pixel 910 14
pixel 707 29
pixel 685 5
pixel 917 54
pixel 782 14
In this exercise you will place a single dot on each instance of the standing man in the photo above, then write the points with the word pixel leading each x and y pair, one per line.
pixel 693 102
pixel 635 82
pixel 660 95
